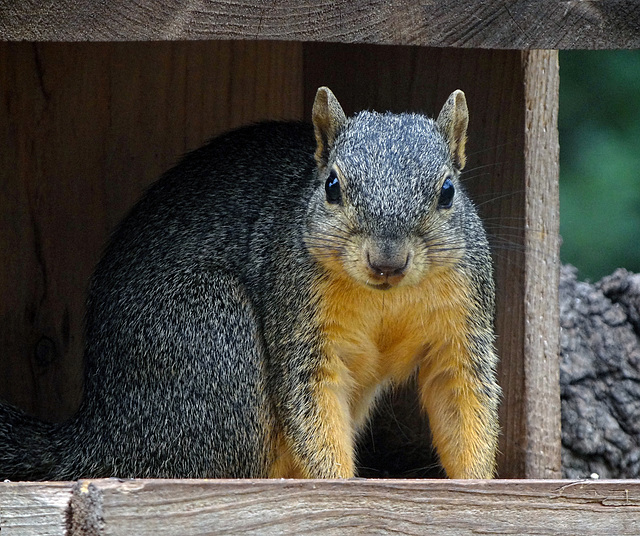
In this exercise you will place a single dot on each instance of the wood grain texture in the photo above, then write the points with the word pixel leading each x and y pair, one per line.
pixel 84 129
pixel 514 24
pixel 415 507
pixel 542 267
pixel 34 509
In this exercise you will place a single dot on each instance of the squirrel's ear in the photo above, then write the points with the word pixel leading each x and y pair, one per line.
pixel 328 118
pixel 453 121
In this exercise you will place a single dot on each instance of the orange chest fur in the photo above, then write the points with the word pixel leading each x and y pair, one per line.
pixel 375 337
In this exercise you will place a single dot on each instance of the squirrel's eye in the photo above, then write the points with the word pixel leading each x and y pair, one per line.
pixel 446 194
pixel 332 188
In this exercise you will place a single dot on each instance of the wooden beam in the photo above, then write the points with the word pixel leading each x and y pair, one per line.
pixel 541 410
pixel 436 507
pixel 517 24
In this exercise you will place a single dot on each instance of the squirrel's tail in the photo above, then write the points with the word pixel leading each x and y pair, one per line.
pixel 30 449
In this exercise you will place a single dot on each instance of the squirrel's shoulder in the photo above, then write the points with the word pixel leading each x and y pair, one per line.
pixel 234 165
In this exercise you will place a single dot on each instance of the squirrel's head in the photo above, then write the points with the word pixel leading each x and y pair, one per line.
pixel 386 209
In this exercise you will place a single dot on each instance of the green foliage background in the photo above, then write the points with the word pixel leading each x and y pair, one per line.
pixel 599 122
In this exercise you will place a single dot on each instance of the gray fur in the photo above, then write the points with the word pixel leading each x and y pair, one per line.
pixel 199 327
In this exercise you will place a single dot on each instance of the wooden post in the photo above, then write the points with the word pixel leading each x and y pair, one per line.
pixel 542 266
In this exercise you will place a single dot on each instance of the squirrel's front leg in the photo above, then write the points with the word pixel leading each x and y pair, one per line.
pixel 460 394
pixel 317 439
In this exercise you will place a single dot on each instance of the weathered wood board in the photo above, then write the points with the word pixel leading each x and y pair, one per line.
pixel 517 24
pixel 34 509
pixel 435 507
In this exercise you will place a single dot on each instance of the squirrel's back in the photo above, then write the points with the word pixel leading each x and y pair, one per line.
pixel 173 281
pixel 210 200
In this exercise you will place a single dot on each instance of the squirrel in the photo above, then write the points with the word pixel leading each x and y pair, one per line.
pixel 251 308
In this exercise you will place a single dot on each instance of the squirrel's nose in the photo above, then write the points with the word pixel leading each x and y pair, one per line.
pixel 387 269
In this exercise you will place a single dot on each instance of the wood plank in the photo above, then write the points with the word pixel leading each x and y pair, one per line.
pixel 520 24
pixel 34 509
pixel 436 507
pixel 84 129
pixel 441 507
pixel 542 266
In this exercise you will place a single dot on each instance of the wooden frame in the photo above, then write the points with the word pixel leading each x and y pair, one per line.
pixel 86 126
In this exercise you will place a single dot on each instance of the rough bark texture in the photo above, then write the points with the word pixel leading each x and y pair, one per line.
pixel 600 375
